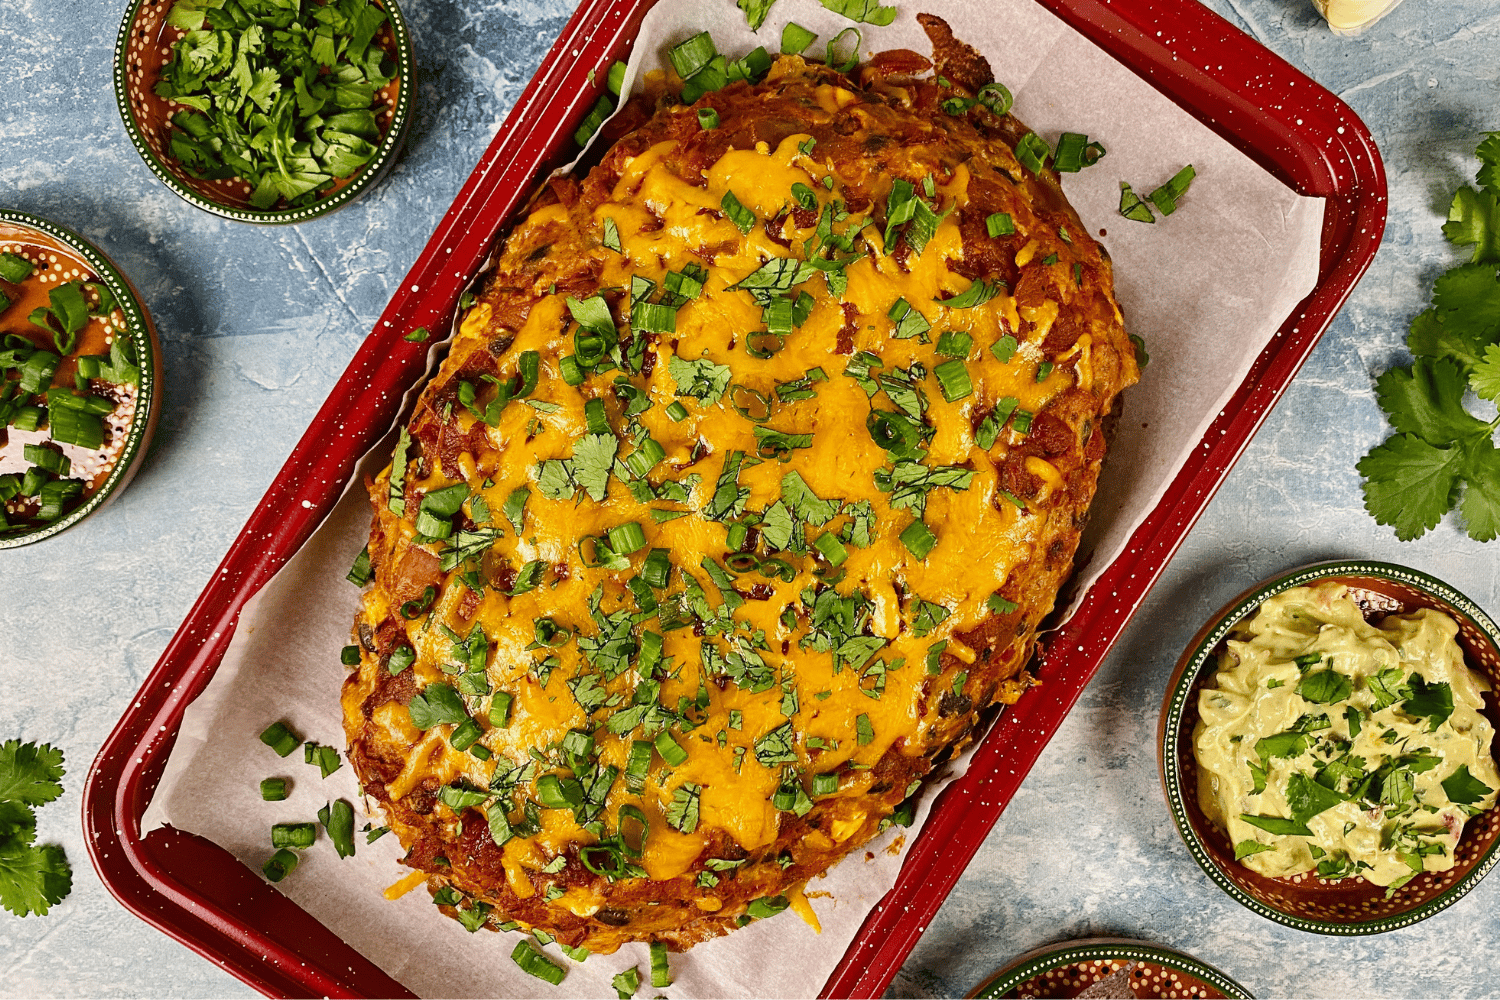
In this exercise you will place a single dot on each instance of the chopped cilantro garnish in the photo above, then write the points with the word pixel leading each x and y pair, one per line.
pixel 702 380
pixel 286 102
pixel 682 811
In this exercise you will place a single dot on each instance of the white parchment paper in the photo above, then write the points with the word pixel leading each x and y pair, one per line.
pixel 1206 288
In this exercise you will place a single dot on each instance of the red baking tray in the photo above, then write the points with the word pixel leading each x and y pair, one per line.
pixel 196 892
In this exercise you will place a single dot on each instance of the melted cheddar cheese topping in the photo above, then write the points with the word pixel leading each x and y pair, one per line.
pixel 813 451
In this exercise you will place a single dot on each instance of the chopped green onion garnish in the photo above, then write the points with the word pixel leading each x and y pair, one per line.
pixel 742 217
pixel 825 784
pixel 15 268
pixel 955 345
pixel 54 496
pixel 677 411
pixel 661 974
pixel 298 835
pixel 795 39
pixel 1033 152
pixel 692 55
pixel 670 750
pixel 996 96
pixel 466 735
pixel 279 738
pixel 37 371
pixel 999 224
pixel 832 549
pixel 69 426
pixel 570 370
pixel 534 963
pixel 953 377
pixel 45 458
pixel 601 110
pixel 361 573
pixel 616 78
pixel 500 710
pixel 657 569
pixel 708 118
pixel 918 539
pixel 627 538
pixel 638 764
pixel 273 789
pixel 1165 197
pixel 1070 152
pixel 28 418
pixel 281 864
pixel 847 62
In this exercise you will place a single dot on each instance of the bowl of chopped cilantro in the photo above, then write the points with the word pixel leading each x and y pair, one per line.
pixel 79 371
pixel 265 111
pixel 1327 748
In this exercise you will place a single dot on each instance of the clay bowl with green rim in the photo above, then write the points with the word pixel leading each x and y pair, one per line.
pixel 145 46
pixel 122 333
pixel 1349 906
pixel 1114 967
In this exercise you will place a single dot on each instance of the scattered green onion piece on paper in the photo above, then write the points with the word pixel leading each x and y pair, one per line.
pixel 534 963
pixel 661 972
pixel 281 739
pixel 795 39
pixel 280 865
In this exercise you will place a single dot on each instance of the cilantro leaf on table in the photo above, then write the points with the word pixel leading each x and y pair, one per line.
pixel 32 878
pixel 29 773
pixel 1427 401
pixel 1485 378
pixel 1474 220
pixel 1467 298
pixel 1481 502
pixel 1442 455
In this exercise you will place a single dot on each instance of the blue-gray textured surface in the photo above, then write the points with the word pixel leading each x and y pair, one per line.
pixel 258 324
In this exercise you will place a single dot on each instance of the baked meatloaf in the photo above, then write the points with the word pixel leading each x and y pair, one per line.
pixel 741 493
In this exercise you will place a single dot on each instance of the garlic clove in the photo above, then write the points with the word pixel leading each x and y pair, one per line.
pixel 1349 16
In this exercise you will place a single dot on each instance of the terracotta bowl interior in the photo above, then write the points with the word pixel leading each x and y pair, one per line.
pixel 1352 905
pixel 74 251
pixel 146 48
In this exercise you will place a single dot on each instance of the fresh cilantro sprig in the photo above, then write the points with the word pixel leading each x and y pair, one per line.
pixel 33 877
pixel 1442 455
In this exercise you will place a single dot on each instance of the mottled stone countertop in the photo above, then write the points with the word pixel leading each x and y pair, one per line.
pixel 258 324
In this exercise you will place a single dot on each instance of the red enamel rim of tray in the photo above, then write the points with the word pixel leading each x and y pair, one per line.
pixel 196 892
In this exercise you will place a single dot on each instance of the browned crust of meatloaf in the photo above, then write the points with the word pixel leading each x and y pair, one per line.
pixel 895 127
